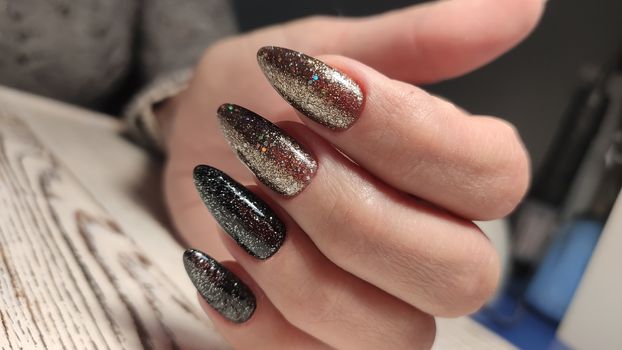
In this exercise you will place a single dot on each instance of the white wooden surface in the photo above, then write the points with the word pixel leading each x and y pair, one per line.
pixel 594 318
pixel 86 259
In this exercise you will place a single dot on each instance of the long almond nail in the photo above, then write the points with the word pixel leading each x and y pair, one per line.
pixel 317 90
pixel 222 290
pixel 243 215
pixel 277 160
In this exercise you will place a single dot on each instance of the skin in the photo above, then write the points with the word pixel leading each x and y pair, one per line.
pixel 396 261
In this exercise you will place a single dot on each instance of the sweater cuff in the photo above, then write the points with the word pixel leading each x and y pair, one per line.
pixel 141 122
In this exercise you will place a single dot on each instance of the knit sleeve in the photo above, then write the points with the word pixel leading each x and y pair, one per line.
pixel 172 36
pixel 174 33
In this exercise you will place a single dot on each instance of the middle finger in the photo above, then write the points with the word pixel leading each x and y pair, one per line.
pixel 435 261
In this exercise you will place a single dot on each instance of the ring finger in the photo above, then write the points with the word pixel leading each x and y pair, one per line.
pixel 435 261
pixel 310 291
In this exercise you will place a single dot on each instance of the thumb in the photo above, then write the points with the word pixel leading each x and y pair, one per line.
pixel 420 44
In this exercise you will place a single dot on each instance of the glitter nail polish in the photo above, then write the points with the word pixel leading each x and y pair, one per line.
pixel 222 290
pixel 241 214
pixel 277 160
pixel 317 90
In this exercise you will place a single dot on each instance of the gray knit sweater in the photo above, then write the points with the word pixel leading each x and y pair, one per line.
pixel 87 52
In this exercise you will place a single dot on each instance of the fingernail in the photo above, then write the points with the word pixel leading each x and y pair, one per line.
pixel 245 217
pixel 317 90
pixel 226 293
pixel 277 160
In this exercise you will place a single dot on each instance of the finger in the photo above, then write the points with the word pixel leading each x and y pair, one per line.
pixel 421 43
pixel 413 141
pixel 261 328
pixel 332 305
pixel 439 263
pixel 311 292
pixel 442 264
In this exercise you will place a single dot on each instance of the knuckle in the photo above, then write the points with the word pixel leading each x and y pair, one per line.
pixel 450 280
pixel 507 169
pixel 471 282
pixel 427 333
pixel 418 333
pixel 515 180
pixel 481 279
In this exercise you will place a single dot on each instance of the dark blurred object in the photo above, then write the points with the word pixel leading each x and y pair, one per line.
pixel 254 14
pixel 529 316
pixel 578 128
pixel 581 131
pixel 537 218
pixel 558 276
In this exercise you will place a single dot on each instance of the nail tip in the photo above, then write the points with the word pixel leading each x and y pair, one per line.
pixel 191 256
pixel 223 107
pixel 202 176
pixel 225 110
pixel 191 259
pixel 219 287
pixel 230 113
pixel 269 50
pixel 264 51
pixel 201 169
pixel 188 254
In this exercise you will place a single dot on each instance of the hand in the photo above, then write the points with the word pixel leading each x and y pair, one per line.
pixel 364 264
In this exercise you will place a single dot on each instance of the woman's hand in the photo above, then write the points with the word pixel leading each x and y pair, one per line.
pixel 365 260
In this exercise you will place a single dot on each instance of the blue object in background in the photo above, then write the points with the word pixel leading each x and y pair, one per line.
pixel 554 284
pixel 522 327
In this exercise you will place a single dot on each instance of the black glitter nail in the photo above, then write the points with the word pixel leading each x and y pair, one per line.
pixel 222 290
pixel 279 161
pixel 243 215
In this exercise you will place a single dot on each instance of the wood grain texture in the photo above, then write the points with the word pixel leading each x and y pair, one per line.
pixel 70 277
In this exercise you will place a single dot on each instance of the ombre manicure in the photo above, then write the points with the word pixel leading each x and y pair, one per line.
pixel 241 214
pixel 277 160
pixel 317 90
pixel 226 293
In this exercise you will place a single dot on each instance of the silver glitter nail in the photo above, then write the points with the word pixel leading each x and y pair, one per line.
pixel 317 90
pixel 222 290
pixel 279 161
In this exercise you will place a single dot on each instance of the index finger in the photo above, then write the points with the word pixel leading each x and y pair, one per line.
pixel 473 166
